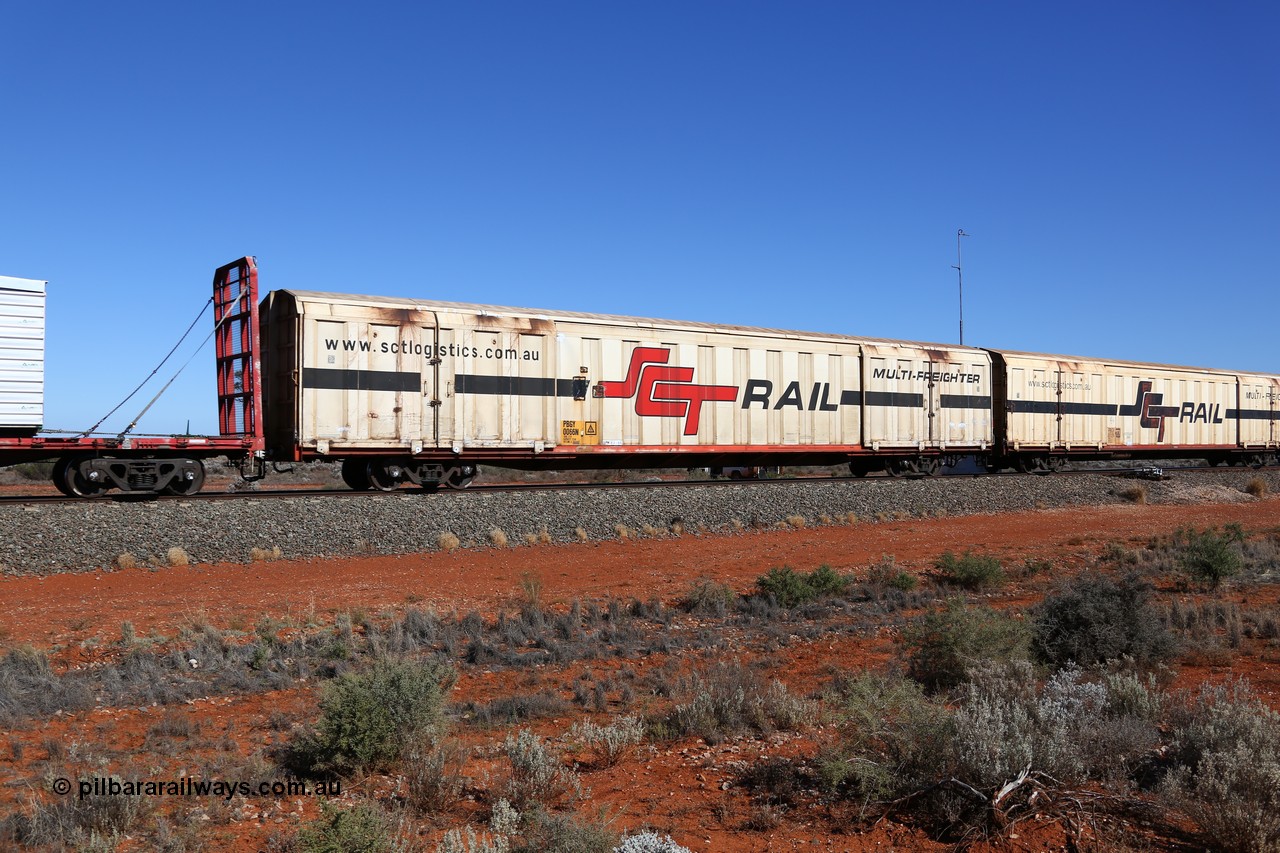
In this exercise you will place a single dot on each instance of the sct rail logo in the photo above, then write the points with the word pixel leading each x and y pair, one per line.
pixel 665 392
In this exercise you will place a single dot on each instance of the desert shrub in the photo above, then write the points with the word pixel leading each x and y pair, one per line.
pixel 1226 744
pixel 1257 487
pixel 1134 494
pixel 971 571
pixel 887 574
pixel 1092 619
pixel 786 586
pixel 790 588
pixel 892 739
pixel 369 719
pixel 610 742
pixel 75 822
pixel 434 776
pixel 509 710
pixel 709 597
pixel 988 757
pixel 537 776
pixel 39 471
pixel 359 829
pixel 942 646
pixel 1209 557
pixel 826 582
pixel 28 687
pixel 649 842
pixel 729 699
pixel 1070 729
pixel 547 832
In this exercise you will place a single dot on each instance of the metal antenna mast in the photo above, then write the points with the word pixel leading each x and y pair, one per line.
pixel 960 277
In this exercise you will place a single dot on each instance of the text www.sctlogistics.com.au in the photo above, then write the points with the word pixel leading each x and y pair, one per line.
pixel 187 786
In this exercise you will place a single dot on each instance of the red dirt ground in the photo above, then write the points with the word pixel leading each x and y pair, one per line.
pixel 77 618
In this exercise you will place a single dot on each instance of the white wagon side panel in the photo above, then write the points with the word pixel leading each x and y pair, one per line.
pixel 22 330
pixel 1066 403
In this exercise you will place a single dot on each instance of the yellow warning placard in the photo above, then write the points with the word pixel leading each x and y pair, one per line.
pixel 579 432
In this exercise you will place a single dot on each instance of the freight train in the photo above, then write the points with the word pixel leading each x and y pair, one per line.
pixel 421 392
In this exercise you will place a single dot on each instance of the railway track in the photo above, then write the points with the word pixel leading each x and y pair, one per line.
pixel 484 488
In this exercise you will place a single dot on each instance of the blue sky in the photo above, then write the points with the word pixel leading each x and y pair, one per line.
pixel 801 165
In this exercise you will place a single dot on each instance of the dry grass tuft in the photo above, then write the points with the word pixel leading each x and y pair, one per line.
pixel 127 561
pixel 649 530
pixel 737 524
pixel 531 588
pixel 497 538
pixel 796 521
pixel 448 542
pixel 882 516
pixel 544 535
pixel 823 518
pixel 677 527
pixel 625 532
pixel 852 517
pixel 265 555
pixel 178 557
pixel 581 534
pixel 1135 494
pixel 1256 487
pixel 531 539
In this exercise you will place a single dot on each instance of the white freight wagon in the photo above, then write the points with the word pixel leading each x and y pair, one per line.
pixel 1056 407
pixel 21 355
pixel 423 391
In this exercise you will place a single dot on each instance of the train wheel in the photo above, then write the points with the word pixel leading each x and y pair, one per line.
pixel 76 484
pixel 385 474
pixel 355 473
pixel 928 466
pixel 859 468
pixel 188 487
pixel 460 477
pixel 59 476
pixel 897 467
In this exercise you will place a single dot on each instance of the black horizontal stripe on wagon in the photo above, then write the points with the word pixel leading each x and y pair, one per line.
pixel 331 379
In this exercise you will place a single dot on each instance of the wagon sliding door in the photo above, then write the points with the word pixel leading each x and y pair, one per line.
pixel 895 391
pixel 504 387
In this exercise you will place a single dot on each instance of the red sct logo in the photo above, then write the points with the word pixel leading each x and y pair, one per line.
pixel 665 392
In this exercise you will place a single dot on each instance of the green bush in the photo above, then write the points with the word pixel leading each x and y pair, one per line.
pixel 942 646
pixel 786 586
pixel 369 719
pixel 790 588
pixel 826 582
pixel 1209 557
pixel 971 571
pixel 893 740
pixel 1092 619
pixel 359 829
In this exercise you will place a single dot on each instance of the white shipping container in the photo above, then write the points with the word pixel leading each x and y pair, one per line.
pixel 21 355
pixel 374 374
pixel 1066 403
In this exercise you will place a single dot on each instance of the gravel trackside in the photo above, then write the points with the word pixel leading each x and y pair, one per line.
pixel 46 538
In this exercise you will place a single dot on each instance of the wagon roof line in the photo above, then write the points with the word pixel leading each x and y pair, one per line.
pixel 1094 360
pixel 543 314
